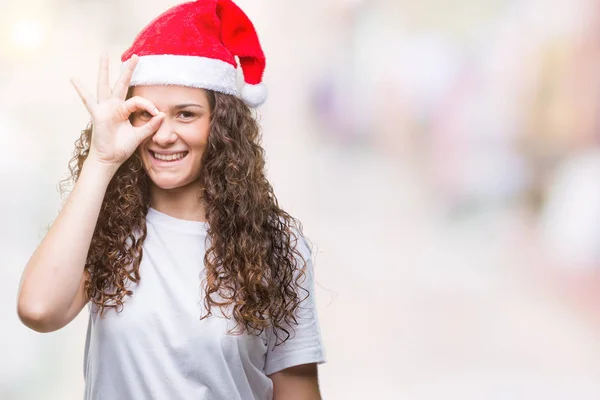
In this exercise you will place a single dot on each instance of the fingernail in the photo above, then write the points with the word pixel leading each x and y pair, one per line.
pixel 156 111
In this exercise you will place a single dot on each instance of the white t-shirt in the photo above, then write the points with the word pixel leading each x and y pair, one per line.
pixel 157 348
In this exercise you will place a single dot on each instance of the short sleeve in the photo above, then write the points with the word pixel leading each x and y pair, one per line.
pixel 305 344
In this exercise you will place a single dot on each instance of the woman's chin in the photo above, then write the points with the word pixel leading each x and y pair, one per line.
pixel 167 184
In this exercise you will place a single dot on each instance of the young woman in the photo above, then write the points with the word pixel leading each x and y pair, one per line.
pixel 199 285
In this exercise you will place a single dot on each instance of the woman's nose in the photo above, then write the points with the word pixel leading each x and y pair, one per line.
pixel 165 133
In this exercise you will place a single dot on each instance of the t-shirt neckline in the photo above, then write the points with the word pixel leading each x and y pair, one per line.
pixel 182 225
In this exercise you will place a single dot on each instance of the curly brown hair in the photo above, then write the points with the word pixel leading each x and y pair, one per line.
pixel 251 262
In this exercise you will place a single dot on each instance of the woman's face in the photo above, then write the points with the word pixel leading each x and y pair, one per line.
pixel 173 153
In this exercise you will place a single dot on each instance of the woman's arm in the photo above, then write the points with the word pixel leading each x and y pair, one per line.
pixel 292 366
pixel 296 383
pixel 52 286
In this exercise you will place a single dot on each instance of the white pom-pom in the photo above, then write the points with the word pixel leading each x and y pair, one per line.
pixel 254 95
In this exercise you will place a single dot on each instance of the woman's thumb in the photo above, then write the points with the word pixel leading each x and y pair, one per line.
pixel 150 127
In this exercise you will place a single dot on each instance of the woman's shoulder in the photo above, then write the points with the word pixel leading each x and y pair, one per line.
pixel 301 242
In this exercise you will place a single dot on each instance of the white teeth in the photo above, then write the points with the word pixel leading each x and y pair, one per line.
pixel 170 157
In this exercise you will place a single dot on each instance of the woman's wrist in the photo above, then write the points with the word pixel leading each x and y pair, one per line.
pixel 100 171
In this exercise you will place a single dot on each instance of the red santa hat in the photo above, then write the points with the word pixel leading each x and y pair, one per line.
pixel 194 44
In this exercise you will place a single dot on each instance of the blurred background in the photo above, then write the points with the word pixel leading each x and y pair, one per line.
pixel 443 156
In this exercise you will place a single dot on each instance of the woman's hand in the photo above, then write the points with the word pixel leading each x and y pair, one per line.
pixel 114 139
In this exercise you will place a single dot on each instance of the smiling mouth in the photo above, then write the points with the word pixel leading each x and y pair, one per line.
pixel 168 158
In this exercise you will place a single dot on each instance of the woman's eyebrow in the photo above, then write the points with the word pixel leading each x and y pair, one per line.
pixel 185 105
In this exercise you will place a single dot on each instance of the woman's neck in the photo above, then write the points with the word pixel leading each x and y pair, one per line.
pixel 182 203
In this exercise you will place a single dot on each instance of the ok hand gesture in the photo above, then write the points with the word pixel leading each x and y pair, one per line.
pixel 114 139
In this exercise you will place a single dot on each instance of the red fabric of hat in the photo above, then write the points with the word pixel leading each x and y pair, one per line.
pixel 195 44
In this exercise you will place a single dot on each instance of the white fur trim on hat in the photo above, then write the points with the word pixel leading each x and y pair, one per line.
pixel 190 71
pixel 254 95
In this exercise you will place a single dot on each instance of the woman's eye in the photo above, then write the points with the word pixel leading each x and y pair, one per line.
pixel 187 114
pixel 144 115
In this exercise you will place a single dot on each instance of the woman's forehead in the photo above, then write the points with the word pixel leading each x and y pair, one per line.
pixel 171 95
